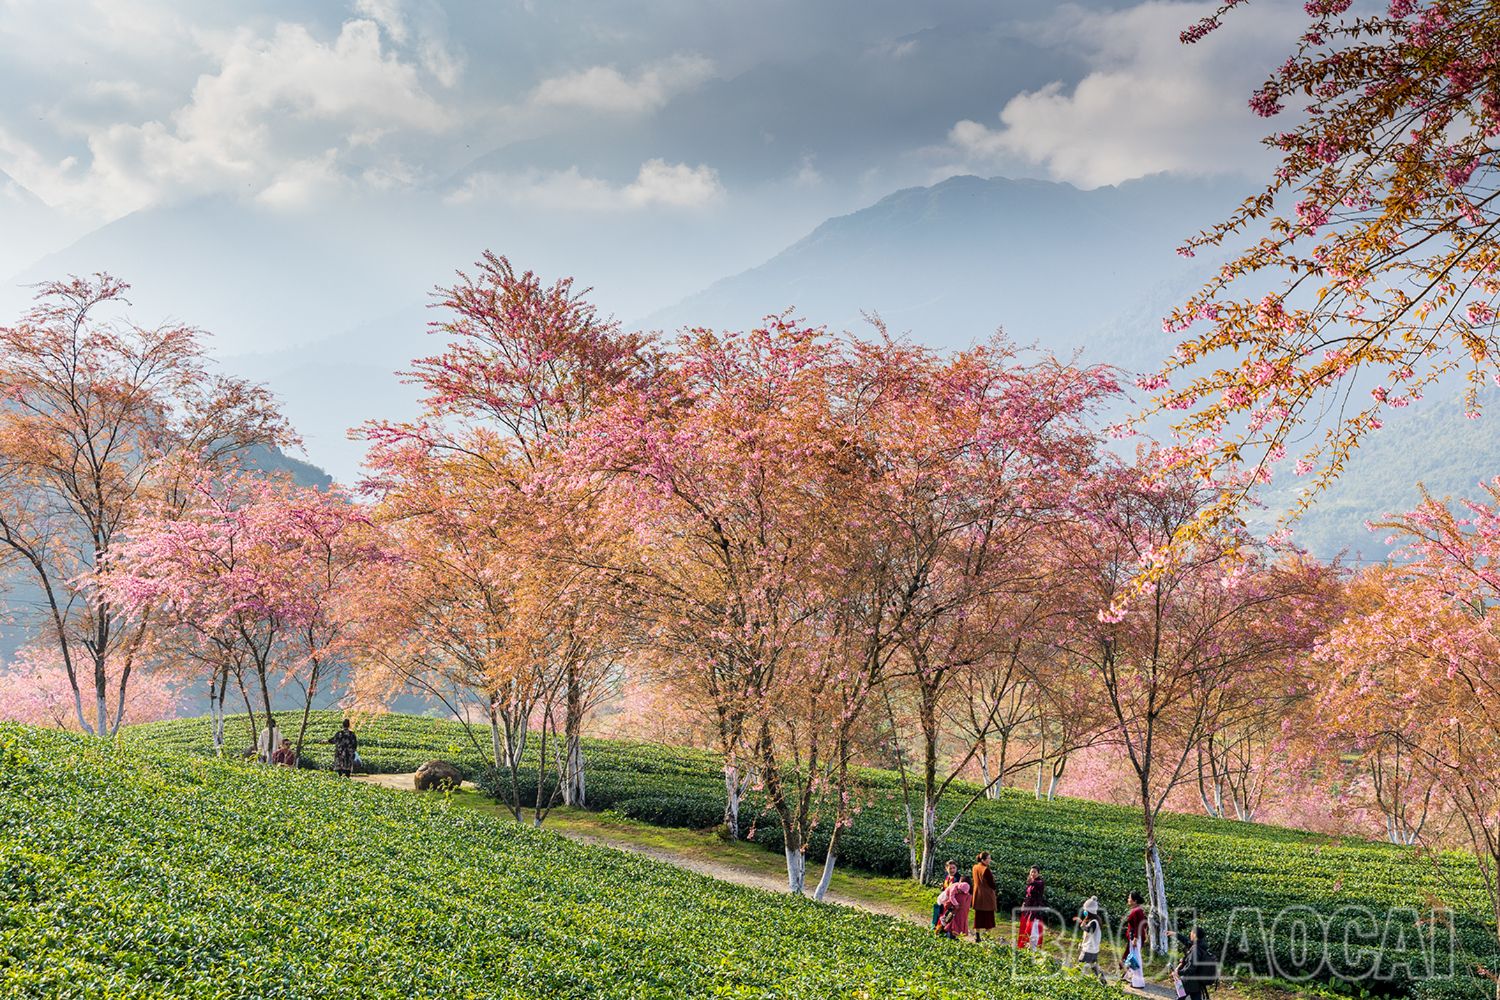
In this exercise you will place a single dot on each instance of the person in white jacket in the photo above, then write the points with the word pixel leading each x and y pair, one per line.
pixel 266 744
pixel 1093 936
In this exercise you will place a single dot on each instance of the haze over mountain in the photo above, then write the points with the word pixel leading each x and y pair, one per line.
pixel 29 228
pixel 949 264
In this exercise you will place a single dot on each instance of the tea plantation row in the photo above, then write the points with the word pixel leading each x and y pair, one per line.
pixel 1364 898
pixel 139 873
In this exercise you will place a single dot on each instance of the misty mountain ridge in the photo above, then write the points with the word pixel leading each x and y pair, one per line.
pixel 1049 263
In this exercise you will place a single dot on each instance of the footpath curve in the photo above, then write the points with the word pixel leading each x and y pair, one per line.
pixel 726 872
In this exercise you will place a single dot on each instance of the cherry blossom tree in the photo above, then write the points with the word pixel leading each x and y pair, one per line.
pixel 34 690
pixel 503 600
pixel 105 422
pixel 977 455
pixel 727 473
pixel 255 573
pixel 1376 231
pixel 1163 654
pixel 1416 668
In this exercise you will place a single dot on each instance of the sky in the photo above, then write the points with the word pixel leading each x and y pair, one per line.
pixel 285 174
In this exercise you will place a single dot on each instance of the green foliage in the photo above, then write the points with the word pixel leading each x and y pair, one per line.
pixel 133 872
pixel 388 744
pixel 1217 869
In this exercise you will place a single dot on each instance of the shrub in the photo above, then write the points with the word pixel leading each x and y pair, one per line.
pixel 127 872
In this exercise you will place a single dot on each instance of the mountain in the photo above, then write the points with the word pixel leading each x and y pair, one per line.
pixel 28 227
pixel 1431 443
pixel 1051 264
pixel 275 462
pixel 318 384
pixel 256 278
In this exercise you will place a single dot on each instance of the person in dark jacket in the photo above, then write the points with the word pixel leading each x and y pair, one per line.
pixel 1195 972
pixel 345 748
pixel 1033 908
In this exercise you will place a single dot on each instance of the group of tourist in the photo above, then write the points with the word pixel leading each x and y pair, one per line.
pixel 274 748
pixel 976 894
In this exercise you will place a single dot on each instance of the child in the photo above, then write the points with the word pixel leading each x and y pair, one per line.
pixel 960 897
pixel 1093 934
pixel 942 922
pixel 950 875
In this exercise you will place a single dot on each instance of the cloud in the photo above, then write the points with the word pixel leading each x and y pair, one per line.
pixel 1149 103
pixel 606 89
pixel 279 114
pixel 388 14
pixel 658 184
pixel 421 24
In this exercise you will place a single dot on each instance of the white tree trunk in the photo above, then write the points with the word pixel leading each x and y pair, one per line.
pixel 827 877
pixel 571 776
pixel 580 784
pixel 991 786
pixel 929 840
pixel 796 871
pixel 497 740
pixel 216 715
pixel 1159 918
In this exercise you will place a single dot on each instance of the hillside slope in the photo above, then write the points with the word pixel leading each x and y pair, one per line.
pixel 1234 877
pixel 128 873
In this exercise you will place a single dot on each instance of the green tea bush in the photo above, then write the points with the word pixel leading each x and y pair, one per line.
pixel 1216 869
pixel 131 872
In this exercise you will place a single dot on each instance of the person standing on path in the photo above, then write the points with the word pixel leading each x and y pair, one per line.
pixel 345 746
pixel 985 895
pixel 1194 973
pixel 1033 907
pixel 1093 936
pixel 1132 968
pixel 268 741
pixel 950 876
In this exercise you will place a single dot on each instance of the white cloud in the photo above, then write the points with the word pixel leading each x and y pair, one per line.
pixel 387 14
pixel 276 118
pixel 1150 104
pixel 807 175
pixel 606 89
pixel 657 184
pixel 303 183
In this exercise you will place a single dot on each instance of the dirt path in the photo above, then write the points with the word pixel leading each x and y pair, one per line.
pixel 722 871
pixel 726 872
pixel 733 873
